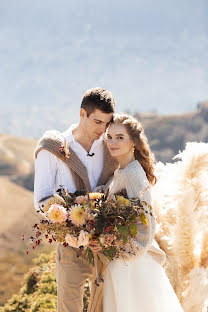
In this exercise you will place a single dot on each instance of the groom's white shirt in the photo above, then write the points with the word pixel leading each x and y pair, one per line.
pixel 51 172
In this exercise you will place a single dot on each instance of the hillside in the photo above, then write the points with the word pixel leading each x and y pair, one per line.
pixel 38 288
pixel 16 159
pixel 38 291
pixel 169 134
pixel 17 216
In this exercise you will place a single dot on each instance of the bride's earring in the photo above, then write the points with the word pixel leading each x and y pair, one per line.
pixel 133 149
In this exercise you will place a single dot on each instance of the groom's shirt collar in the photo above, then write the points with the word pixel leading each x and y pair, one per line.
pixel 94 165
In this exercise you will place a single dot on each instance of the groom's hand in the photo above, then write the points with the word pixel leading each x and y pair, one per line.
pixel 95 245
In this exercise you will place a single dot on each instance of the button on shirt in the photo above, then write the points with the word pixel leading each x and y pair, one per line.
pixel 51 172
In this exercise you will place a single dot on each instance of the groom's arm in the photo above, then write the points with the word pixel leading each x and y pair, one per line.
pixel 45 175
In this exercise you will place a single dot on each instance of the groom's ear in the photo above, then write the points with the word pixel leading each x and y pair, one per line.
pixel 82 113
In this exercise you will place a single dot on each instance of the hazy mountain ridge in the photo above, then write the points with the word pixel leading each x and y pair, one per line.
pixel 16 159
pixel 166 135
pixel 169 134
pixel 33 120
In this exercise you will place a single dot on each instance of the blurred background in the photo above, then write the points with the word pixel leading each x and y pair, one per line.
pixel 152 56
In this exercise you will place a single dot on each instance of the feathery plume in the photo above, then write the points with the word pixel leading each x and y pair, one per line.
pixel 204 251
pixel 196 294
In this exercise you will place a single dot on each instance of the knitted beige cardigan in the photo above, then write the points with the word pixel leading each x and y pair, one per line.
pixel 52 141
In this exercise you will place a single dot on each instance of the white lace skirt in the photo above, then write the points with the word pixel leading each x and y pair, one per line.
pixel 139 285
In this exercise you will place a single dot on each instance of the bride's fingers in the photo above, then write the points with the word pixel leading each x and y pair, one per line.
pixel 95 246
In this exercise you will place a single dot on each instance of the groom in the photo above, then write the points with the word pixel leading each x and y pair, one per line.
pixel 89 164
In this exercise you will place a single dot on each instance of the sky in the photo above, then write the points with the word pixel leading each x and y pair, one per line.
pixel 152 55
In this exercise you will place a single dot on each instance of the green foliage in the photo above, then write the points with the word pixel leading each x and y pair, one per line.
pixel 88 254
pixel 31 281
pixel 110 253
pixel 39 291
pixel 17 304
pixel 13 266
pixel 123 230
pixel 143 218
pixel 43 259
pixel 44 303
pixel 133 229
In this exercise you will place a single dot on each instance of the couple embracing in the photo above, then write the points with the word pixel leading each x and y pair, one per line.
pixel 108 151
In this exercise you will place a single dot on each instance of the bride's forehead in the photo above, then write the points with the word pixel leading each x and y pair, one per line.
pixel 117 129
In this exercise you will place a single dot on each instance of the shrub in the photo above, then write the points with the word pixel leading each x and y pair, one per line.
pixel 39 291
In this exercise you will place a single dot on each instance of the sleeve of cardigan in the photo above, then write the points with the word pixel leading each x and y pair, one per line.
pixel 136 183
pixel 45 175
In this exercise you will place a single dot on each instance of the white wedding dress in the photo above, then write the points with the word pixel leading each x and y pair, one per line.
pixel 139 284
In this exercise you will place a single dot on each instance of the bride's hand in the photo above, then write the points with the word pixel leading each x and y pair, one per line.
pixel 95 245
pixel 99 189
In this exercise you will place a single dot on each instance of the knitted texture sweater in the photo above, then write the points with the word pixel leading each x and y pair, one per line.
pixel 133 179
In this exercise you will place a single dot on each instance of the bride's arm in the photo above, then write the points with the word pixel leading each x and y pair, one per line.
pixel 103 188
pixel 136 184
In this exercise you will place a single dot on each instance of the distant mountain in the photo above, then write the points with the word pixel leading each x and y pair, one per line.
pixel 168 135
pixel 33 120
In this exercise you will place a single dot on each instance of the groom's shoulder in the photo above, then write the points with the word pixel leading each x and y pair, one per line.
pixel 50 135
pixel 50 141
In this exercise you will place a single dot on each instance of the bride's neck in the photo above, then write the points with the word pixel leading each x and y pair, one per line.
pixel 125 160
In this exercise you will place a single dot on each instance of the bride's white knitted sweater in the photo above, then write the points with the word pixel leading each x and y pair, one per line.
pixel 133 179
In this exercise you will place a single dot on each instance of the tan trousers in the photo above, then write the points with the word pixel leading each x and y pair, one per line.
pixel 71 275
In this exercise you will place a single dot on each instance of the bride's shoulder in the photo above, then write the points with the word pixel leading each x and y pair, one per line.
pixel 135 173
pixel 135 168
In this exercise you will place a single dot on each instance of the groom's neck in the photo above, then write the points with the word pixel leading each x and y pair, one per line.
pixel 82 137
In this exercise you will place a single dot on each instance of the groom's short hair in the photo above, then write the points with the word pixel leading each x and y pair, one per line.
pixel 98 98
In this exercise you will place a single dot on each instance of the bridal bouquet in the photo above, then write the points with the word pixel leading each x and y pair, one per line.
pixel 74 220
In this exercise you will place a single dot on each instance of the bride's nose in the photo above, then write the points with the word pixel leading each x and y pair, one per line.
pixel 113 142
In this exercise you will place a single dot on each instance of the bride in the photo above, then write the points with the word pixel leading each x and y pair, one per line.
pixel 140 283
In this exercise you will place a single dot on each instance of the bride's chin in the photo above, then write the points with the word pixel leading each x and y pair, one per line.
pixel 114 154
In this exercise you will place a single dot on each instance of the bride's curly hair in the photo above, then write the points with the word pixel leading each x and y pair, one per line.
pixel 142 150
